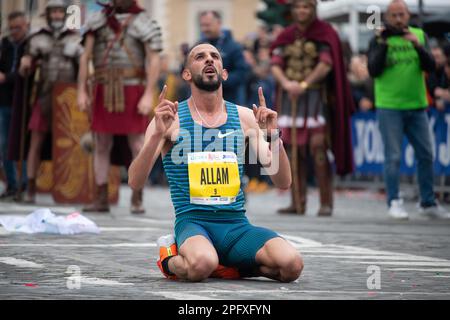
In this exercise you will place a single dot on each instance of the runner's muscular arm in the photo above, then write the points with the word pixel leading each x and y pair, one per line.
pixel 158 134
pixel 258 145
pixel 270 159
pixel 143 164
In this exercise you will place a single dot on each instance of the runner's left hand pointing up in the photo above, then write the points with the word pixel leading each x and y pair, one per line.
pixel 267 119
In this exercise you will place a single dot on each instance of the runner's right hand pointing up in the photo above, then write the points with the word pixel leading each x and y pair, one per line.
pixel 165 113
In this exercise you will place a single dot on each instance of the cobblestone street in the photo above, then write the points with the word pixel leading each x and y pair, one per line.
pixel 340 254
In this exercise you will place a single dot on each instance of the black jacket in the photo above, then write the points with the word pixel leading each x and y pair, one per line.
pixel 437 79
pixel 9 65
pixel 378 52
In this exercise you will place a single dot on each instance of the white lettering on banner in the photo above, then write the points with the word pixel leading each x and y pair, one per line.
pixel 358 151
pixel 443 151
pixel 409 156
pixel 432 123
pixel 369 148
pixel 379 145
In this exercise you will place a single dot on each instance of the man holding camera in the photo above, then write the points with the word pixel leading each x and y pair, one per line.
pixel 398 57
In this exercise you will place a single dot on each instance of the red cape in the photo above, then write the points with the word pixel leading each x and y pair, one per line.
pixel 342 105
pixel 109 11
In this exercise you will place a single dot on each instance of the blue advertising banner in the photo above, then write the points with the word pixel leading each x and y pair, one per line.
pixel 368 147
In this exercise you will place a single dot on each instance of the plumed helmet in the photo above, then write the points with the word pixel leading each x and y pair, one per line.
pixel 56 4
pixel 51 4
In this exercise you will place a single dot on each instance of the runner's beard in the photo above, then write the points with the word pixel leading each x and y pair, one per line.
pixel 209 86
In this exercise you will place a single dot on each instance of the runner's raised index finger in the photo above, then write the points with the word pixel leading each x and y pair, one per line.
pixel 262 99
pixel 162 96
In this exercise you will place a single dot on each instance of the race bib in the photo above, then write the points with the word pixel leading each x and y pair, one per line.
pixel 213 178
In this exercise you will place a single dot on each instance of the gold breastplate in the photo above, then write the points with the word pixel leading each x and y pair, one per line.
pixel 301 57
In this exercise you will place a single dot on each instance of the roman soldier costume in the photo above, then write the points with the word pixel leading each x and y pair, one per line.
pixel 317 121
pixel 122 35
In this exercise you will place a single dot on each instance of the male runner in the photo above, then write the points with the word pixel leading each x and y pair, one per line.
pixel 211 229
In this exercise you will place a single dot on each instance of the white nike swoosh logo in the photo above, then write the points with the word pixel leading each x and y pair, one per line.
pixel 223 135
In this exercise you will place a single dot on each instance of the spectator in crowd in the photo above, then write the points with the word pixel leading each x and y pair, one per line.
pixel 263 39
pixel 184 92
pixel 12 49
pixel 260 76
pixel 167 77
pixel 444 93
pixel 437 80
pixel 277 29
pixel 231 52
pixel 347 52
pixel 398 56
pixel 361 83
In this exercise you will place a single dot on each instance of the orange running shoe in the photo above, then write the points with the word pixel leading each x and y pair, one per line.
pixel 167 248
pixel 223 272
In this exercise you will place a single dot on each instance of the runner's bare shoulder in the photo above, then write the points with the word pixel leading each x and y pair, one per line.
pixel 246 117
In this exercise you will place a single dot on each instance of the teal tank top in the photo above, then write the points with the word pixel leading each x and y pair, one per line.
pixel 193 140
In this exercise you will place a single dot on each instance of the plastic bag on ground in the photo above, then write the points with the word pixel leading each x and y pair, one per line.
pixel 44 221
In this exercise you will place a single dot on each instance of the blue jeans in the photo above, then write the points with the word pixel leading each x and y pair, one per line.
pixel 9 167
pixel 393 124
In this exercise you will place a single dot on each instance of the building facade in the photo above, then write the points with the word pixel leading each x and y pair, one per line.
pixel 178 18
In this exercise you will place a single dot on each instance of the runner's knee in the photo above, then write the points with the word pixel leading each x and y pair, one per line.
pixel 291 268
pixel 201 266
